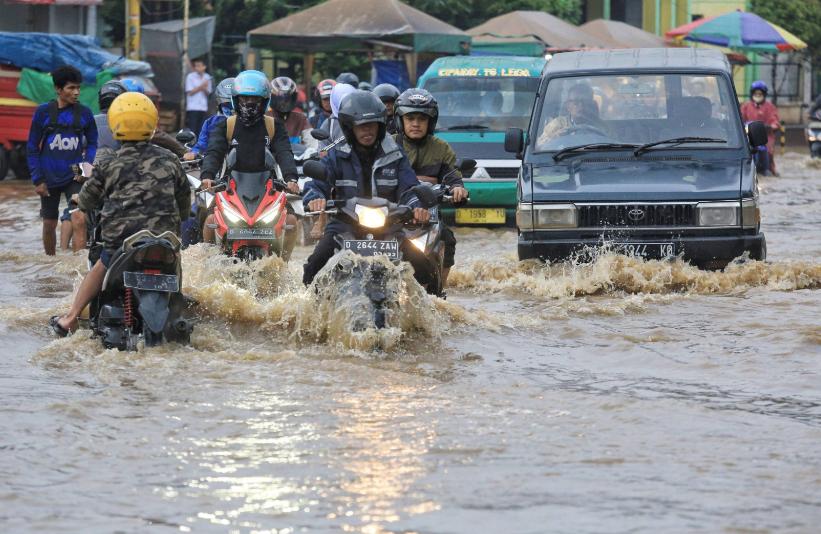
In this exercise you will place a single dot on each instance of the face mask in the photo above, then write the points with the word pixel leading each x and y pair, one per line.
pixel 250 113
pixel 758 99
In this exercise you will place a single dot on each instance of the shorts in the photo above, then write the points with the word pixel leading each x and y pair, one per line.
pixel 66 216
pixel 50 205
pixel 105 257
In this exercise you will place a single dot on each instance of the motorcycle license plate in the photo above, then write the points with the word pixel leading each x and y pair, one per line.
pixel 646 250
pixel 373 248
pixel 168 283
pixel 480 215
pixel 250 233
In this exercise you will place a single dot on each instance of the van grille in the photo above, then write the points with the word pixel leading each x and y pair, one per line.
pixel 636 215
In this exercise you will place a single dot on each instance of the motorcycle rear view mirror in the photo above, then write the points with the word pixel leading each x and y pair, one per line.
pixel 757 133
pixel 314 169
pixel 467 165
pixel 185 136
pixel 319 134
pixel 426 195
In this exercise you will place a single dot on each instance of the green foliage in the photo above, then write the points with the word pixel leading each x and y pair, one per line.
pixel 466 14
pixel 799 17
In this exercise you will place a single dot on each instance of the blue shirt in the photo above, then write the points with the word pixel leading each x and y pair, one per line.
pixel 205 131
pixel 51 153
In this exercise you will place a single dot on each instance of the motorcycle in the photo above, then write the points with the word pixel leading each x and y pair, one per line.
pixel 141 298
pixel 250 213
pixel 813 133
pixel 380 228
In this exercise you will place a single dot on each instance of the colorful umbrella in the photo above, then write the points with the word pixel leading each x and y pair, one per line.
pixel 740 31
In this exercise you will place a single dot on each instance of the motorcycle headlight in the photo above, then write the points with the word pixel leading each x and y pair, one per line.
pixel 718 214
pixel 420 242
pixel 271 215
pixel 231 214
pixel 371 217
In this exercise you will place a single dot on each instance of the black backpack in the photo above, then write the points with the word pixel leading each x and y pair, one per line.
pixel 54 126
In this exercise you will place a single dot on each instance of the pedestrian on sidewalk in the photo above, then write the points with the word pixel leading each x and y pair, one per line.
pixel 198 86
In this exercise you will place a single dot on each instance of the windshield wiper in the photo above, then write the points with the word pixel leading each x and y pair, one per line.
pixel 676 141
pixel 468 127
pixel 563 153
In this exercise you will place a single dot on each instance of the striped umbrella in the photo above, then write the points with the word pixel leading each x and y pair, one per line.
pixel 740 31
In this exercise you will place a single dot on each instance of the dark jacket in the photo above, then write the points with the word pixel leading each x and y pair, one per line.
pixel 52 150
pixel 433 157
pixel 391 178
pixel 251 146
pixel 141 187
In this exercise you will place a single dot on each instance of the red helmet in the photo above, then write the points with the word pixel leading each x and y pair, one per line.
pixel 325 87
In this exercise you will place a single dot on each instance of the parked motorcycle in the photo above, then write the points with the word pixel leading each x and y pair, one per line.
pixel 141 299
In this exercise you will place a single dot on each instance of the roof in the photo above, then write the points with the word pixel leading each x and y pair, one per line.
pixel 350 24
pixel 535 25
pixel 621 34
pixel 502 65
pixel 639 58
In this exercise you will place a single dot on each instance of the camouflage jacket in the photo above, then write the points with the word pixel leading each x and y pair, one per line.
pixel 141 187
pixel 433 157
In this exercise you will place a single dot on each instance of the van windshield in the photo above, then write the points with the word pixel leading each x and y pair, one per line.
pixel 475 103
pixel 637 110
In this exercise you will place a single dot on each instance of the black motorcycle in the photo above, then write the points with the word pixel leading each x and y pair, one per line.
pixel 141 299
pixel 379 227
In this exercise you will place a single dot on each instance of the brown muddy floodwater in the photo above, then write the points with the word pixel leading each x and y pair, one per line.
pixel 620 396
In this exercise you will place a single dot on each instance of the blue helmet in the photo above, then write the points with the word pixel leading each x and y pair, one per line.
pixel 251 83
pixel 759 85
pixel 132 86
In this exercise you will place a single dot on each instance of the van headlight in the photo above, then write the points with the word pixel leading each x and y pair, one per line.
pixel 718 213
pixel 546 216
pixel 371 217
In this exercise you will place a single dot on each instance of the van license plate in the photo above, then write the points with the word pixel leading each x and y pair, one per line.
pixel 646 250
pixel 480 215
pixel 373 248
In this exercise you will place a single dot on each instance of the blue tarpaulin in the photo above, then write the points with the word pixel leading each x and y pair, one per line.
pixel 45 52
pixel 395 72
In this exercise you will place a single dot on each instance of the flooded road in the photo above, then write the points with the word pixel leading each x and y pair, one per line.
pixel 619 396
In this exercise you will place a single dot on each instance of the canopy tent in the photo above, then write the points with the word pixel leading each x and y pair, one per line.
pixel 526 30
pixel 350 25
pixel 621 35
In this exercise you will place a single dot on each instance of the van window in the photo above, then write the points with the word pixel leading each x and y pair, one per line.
pixel 492 103
pixel 635 109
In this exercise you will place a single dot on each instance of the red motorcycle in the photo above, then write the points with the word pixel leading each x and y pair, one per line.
pixel 250 215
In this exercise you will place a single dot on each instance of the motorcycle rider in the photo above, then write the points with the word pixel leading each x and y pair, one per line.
pixel 323 93
pixel 759 109
pixel 339 92
pixel 364 86
pixel 369 164
pixel 283 102
pixel 251 96
pixel 388 94
pixel 349 78
pixel 432 159
pixel 224 109
pixel 142 188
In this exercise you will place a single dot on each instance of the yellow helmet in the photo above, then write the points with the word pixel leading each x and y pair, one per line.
pixel 132 117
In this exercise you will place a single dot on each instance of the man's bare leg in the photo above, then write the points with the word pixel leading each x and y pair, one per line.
pixel 290 236
pixel 78 225
pixel 50 236
pixel 89 288
pixel 65 234
pixel 208 233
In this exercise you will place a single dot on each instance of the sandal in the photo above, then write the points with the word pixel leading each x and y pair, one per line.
pixel 54 322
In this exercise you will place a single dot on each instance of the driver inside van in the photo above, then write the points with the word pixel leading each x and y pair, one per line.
pixel 579 112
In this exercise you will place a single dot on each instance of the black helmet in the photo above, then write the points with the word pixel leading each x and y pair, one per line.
pixel 108 92
pixel 416 101
pixel 283 94
pixel 386 92
pixel 365 86
pixel 348 77
pixel 361 107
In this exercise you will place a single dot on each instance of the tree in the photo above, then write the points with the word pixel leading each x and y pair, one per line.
pixel 799 17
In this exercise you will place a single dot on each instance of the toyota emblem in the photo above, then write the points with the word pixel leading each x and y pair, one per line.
pixel 635 214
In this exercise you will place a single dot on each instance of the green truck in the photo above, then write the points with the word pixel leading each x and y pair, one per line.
pixel 480 97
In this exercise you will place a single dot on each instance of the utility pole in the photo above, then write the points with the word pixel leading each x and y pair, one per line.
pixel 185 62
pixel 132 29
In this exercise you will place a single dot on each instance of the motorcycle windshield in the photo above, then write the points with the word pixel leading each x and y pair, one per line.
pixel 251 187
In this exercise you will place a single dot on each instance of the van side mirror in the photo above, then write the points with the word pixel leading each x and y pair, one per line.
pixel 757 133
pixel 515 141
